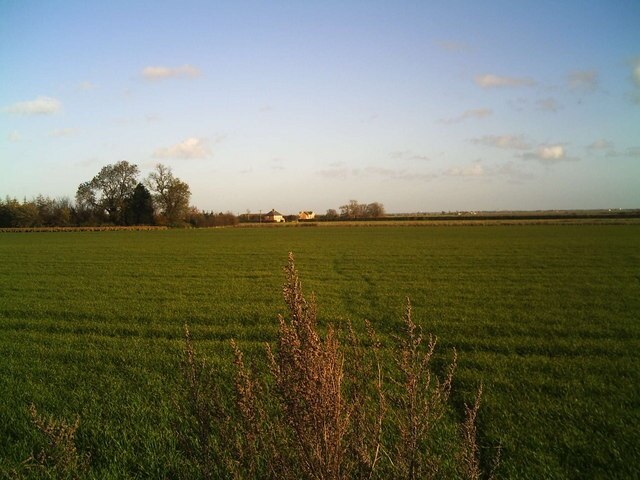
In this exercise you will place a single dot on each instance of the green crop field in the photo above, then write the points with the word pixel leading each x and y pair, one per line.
pixel 547 317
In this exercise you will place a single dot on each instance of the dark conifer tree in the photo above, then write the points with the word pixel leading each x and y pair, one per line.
pixel 139 210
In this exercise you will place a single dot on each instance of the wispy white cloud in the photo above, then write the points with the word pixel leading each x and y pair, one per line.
pixel 512 172
pixel 62 132
pixel 548 154
pixel 490 80
pixel 513 142
pixel 14 136
pixel 474 169
pixel 382 171
pixel 392 174
pixel 374 171
pixel 86 86
pixel 160 72
pixel 407 155
pixel 509 171
pixel 634 96
pixel 585 80
pixel 38 106
pixel 467 114
pixel 635 72
pixel 601 145
pixel 335 172
pixel 548 105
pixel 188 149
pixel 631 152
pixel 477 169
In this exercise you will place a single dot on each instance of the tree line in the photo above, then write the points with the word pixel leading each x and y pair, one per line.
pixel 115 196
pixel 355 210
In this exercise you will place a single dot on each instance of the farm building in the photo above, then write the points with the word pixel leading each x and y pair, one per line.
pixel 306 215
pixel 273 216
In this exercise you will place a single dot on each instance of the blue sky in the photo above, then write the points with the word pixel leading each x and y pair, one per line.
pixel 423 106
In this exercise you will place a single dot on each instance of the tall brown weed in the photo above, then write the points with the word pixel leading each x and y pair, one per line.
pixel 329 410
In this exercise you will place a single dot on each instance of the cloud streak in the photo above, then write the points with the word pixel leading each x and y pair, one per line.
pixel 161 73
pixel 86 86
pixel 477 113
pixel 631 152
pixel 600 145
pixel 490 80
pixel 509 170
pixel 191 148
pixel 14 136
pixel 407 155
pixel 62 132
pixel 548 105
pixel 39 106
pixel 510 142
pixel 373 171
pixel 586 80
pixel 473 170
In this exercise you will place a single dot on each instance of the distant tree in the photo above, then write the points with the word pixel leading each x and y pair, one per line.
pixel 54 212
pixel 107 193
pixel 38 212
pixel 170 194
pixel 353 210
pixel 203 219
pixel 63 212
pixel 331 214
pixel 26 214
pixel 9 213
pixel 374 210
pixel 139 209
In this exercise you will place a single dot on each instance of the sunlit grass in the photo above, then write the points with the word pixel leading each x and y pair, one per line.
pixel 545 316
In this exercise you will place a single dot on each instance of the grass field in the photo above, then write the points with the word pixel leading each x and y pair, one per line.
pixel 546 316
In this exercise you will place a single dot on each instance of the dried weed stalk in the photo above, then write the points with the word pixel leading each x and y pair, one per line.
pixel 422 400
pixel 470 450
pixel 309 374
pixel 59 457
pixel 326 412
pixel 201 421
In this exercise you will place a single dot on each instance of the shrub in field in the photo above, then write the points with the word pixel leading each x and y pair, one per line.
pixel 328 410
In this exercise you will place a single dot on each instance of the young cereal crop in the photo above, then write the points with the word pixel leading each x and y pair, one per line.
pixel 544 316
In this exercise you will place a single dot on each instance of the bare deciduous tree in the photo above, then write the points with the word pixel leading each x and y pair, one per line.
pixel 170 194
pixel 353 210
